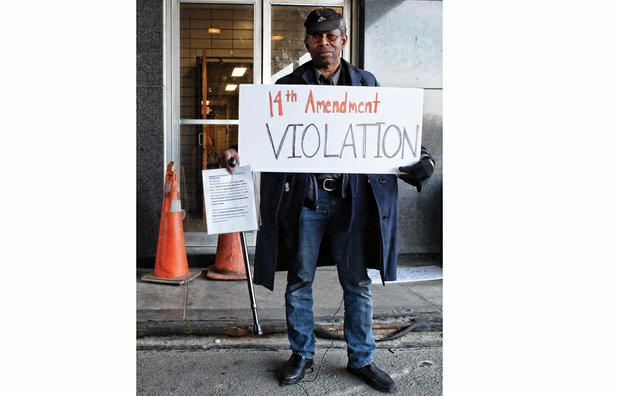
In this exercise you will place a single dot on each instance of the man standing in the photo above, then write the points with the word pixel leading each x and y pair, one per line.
pixel 347 220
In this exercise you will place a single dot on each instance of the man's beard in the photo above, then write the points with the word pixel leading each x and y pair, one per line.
pixel 319 64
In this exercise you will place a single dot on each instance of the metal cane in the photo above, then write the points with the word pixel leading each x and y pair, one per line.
pixel 248 273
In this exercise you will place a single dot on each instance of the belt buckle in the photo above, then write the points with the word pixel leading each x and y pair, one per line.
pixel 329 184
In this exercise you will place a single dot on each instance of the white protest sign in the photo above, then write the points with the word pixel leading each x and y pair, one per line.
pixel 325 129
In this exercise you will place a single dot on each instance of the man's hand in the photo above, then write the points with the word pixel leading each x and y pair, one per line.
pixel 230 160
pixel 419 172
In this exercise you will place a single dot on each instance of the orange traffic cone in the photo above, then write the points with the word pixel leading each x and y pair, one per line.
pixel 229 263
pixel 171 259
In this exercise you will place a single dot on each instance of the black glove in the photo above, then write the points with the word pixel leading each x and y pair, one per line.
pixel 419 172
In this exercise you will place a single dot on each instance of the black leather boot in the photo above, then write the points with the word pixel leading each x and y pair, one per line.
pixel 294 369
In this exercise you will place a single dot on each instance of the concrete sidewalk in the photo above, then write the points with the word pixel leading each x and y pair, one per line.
pixel 210 307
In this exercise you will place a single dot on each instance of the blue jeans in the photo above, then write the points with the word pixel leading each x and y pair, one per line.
pixel 332 217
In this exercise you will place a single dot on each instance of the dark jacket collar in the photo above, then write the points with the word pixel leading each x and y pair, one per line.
pixel 306 72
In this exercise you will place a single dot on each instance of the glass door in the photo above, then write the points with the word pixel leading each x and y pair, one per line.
pixel 216 54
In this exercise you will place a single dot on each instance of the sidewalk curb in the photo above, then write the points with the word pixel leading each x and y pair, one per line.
pixel 324 326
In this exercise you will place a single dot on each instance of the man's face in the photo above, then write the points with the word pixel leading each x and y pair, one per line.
pixel 325 47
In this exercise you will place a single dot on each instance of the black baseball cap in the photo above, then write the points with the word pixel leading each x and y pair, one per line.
pixel 322 20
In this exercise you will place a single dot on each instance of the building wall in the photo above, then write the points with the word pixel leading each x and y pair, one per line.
pixel 149 123
pixel 403 48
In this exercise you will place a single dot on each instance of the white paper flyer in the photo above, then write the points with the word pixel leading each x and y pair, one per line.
pixel 229 200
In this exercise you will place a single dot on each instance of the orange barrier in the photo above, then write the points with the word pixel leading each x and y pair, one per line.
pixel 171 259
pixel 229 264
